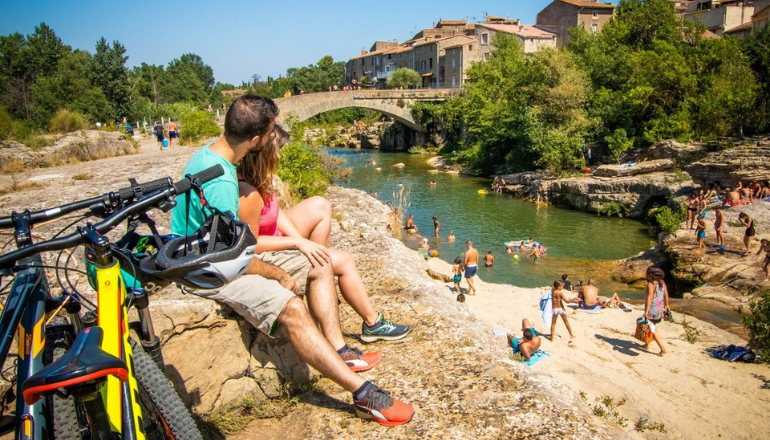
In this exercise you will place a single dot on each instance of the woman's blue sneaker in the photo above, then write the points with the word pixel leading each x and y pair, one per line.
pixel 383 330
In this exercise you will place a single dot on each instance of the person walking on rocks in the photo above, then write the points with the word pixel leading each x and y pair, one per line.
pixel 748 235
pixel 764 246
pixel 656 304
pixel 719 227
pixel 265 295
pixel 471 263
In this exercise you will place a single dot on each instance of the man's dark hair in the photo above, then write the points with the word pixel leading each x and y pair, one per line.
pixel 528 334
pixel 249 116
pixel 564 277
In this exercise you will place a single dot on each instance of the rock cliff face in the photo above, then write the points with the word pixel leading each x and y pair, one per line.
pixel 745 163
pixel 592 194
pixel 84 145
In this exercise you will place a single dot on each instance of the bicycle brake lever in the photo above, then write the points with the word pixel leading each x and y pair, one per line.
pixel 168 206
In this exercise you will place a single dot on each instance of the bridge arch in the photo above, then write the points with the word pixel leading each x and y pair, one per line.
pixel 396 103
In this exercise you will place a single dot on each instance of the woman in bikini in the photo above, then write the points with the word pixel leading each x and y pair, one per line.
pixel 748 236
pixel 656 304
pixel 764 246
pixel 559 298
pixel 692 209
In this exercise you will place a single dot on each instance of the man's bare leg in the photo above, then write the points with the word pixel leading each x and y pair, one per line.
pixel 313 348
pixel 323 303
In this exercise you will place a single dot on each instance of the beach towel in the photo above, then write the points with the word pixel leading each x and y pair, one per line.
pixel 595 311
pixel 546 306
pixel 535 358
pixel 733 353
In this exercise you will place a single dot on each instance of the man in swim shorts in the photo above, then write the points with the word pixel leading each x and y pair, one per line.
pixel 471 263
pixel 528 343
pixel 489 259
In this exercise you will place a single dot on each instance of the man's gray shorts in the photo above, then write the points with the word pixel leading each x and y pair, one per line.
pixel 258 299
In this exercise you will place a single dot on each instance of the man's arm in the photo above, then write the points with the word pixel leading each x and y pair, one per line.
pixel 271 272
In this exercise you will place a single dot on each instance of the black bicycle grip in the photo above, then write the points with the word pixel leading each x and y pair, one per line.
pixel 204 176
pixel 142 189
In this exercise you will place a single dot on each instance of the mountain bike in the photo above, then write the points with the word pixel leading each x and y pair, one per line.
pixel 117 385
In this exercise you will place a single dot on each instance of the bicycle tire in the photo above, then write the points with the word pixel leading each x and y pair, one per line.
pixel 164 415
pixel 69 417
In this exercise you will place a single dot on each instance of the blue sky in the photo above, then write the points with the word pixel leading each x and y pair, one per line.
pixel 240 38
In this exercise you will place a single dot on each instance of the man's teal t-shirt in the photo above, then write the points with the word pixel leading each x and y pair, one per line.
pixel 221 193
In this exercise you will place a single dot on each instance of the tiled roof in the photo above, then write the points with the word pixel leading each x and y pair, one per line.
pixel 450 23
pixel 740 28
pixel 423 42
pixel 525 31
pixel 465 41
pixel 368 54
pixel 587 4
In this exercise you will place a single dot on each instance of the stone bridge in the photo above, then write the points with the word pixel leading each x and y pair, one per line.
pixel 396 103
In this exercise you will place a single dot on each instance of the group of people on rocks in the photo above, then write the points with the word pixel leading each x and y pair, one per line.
pixel 698 205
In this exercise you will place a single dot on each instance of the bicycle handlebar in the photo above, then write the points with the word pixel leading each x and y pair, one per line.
pixel 110 199
pixel 9 259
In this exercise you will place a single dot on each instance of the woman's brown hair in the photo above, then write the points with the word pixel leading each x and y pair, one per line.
pixel 258 167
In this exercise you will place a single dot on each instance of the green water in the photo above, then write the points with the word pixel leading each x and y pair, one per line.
pixel 579 244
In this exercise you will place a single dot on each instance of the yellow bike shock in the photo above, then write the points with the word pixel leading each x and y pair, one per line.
pixel 119 398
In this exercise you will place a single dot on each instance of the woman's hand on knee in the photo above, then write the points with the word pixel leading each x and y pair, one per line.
pixel 318 254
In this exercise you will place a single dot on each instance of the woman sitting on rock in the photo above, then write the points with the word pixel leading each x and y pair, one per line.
pixel 305 228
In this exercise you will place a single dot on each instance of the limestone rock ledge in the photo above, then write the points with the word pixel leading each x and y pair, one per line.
pixel 83 145
pixel 455 373
pixel 591 194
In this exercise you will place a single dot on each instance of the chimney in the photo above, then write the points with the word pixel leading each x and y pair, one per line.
pixel 521 28
pixel 363 51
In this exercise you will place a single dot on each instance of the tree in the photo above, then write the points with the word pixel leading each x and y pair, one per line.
pixel 108 71
pixel 403 77
pixel 201 70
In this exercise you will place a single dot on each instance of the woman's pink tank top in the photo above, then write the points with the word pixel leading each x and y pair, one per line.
pixel 268 220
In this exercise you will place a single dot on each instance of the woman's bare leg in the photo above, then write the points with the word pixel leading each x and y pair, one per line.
pixel 313 219
pixel 351 286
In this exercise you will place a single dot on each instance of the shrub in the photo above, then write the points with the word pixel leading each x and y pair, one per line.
pixel 758 325
pixel 197 125
pixel 66 121
pixel 302 169
pixel 613 209
pixel 668 219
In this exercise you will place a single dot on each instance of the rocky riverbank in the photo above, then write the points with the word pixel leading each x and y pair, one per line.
pixel 451 368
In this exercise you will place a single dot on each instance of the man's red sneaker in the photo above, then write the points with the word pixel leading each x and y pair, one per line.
pixel 359 361
pixel 379 406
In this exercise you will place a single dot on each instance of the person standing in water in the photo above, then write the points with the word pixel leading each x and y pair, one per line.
pixel 471 263
pixel 489 259
pixel 436 227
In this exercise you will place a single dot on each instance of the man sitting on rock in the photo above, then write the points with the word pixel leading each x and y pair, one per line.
pixel 590 299
pixel 257 296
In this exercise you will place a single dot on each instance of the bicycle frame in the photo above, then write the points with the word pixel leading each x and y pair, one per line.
pixel 123 410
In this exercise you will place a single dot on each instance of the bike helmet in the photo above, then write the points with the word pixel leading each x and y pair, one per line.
pixel 219 252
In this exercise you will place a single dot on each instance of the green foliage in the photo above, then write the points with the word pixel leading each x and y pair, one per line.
pixel 313 78
pixel 618 143
pixel 65 121
pixel 108 71
pixel 668 219
pixel 614 209
pixel 606 407
pixel 196 125
pixel 643 424
pixel 758 325
pixel 303 170
pixel 691 333
pixel 403 77
pixel 6 124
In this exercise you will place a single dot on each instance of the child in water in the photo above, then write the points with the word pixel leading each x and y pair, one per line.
pixel 457 271
pixel 536 253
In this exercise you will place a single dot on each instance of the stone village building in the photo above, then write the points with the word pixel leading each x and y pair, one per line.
pixel 561 15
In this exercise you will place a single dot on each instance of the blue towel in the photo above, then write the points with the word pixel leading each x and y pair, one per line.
pixel 536 356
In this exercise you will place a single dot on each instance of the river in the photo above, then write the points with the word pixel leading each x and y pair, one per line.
pixel 579 244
